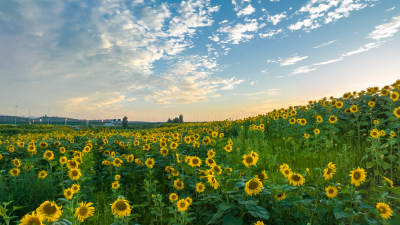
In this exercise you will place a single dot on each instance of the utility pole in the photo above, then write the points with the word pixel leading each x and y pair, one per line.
pixel 16 110
pixel 29 116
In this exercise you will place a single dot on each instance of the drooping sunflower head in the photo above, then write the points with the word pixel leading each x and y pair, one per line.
pixel 121 208
pixel 384 210
pixel 50 210
pixel 280 196
pixel 32 219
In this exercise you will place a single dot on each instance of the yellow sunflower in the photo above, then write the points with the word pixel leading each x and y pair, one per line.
pixel 394 96
pixel 353 109
pixel 280 196
pixel 375 133
pixel 210 153
pixel 48 155
pixel 296 179
pixel 228 148
pixel 173 197
pixel 63 160
pixel 317 131
pixel 371 104
pixel 330 171
pixel 253 186
pixel 189 200
pixel 121 208
pixel 210 162
pixel 200 187
pixel 68 193
pixel 178 184
pixel 115 185
pixel 117 162
pixel 74 174
pixel 32 219
pixel 389 181
pixel 182 205
pixel 149 163
pixel 331 192
pixel 15 172
pixel 50 210
pixel 42 174
pixel 332 119
pixel 358 176
pixel 75 188
pixel 384 210
pixel 195 161
pixel 262 175
pixel 396 112
pixel 249 160
pixel 84 211
pixel 259 223
pixel 164 151
pixel 213 181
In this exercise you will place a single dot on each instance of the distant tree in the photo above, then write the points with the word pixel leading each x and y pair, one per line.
pixel 125 122
pixel 169 120
pixel 181 118
pixel 176 120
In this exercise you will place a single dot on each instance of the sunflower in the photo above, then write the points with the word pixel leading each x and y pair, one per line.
pixel 32 219
pixel 74 174
pixel 210 153
pixel 117 162
pixel 44 144
pixel 249 160
pixel 317 131
pixel 280 197
pixel 307 135
pixel 396 112
pixel 173 145
pixel 42 174
pixel 115 185
pixel 253 186
pixel 339 104
pixel 393 134
pixel 296 179
pixel 48 155
pixel 217 169
pixel 358 176
pixel 200 187
pixel 178 184
pixel 384 210
pixel 330 171
pixel 16 162
pixel 195 161
pixel 68 193
pixel 32 149
pixel 228 148
pixel 303 122
pixel 164 151
pixel 182 205
pixel 72 164
pixel 149 163
pixel 15 172
pixel 50 210
pixel 173 197
pixel 371 104
pixel 121 208
pixel 63 160
pixel 259 223
pixel 333 119
pixel 213 181
pixel 383 133
pixel 84 211
pixel 210 162
pixel 292 120
pixel 286 172
pixel 189 200
pixel 353 109
pixel 375 133
pixel 331 192
pixel 394 96
pixel 117 177
pixel 262 175
pixel 75 188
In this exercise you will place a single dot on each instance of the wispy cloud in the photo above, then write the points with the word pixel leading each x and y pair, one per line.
pixel 328 62
pixel 325 44
pixel 386 30
pixel 240 32
pixel 275 19
pixel 391 9
pixel 292 60
pixel 303 69
pixel 363 48
pixel 269 92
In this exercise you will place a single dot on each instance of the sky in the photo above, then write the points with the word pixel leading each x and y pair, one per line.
pixel 205 59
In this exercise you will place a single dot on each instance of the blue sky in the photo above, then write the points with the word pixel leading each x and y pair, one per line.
pixel 207 60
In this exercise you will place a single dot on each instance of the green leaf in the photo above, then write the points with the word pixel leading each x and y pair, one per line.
pixel 257 211
pixel 369 165
pixel 386 165
pixel 229 219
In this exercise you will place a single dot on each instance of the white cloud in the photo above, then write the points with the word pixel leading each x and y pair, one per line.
pixel 303 69
pixel 386 30
pixel 275 19
pixel 292 60
pixel 363 48
pixel 264 71
pixel 271 33
pixel 325 44
pixel 269 92
pixel 391 9
pixel 328 62
pixel 240 32
pixel 246 11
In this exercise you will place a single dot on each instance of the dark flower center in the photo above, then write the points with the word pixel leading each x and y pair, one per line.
pixel 121 206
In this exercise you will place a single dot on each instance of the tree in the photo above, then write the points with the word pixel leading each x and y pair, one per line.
pixel 181 118
pixel 125 122
pixel 176 120
pixel 169 120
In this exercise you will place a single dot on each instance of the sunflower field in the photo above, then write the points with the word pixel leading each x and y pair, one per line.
pixel 333 161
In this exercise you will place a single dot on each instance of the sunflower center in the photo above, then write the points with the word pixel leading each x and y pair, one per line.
pixel 48 154
pixel 121 206
pixel 33 221
pixel 296 177
pixel 329 171
pixel 331 191
pixel 83 211
pixel 179 184
pixel 398 112
pixel 195 161
pixel 249 159
pixel 253 184
pixel 49 209
pixel 382 209
pixel 280 195
pixel 261 176
pixel 182 204
pixel 356 175
pixel 216 169
pixel 74 173
pixel 287 171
